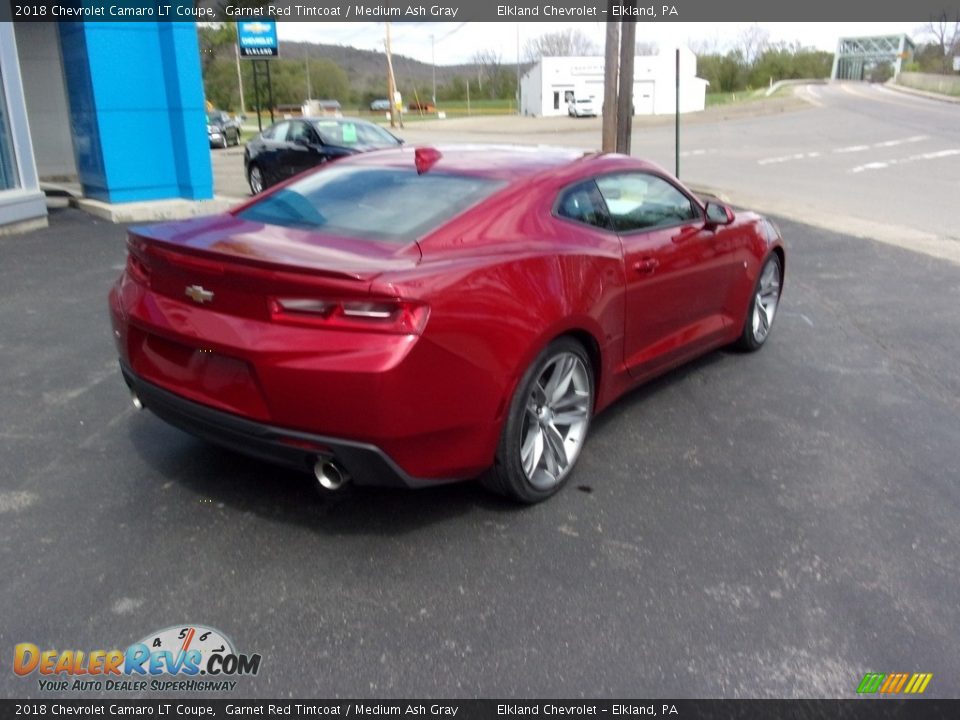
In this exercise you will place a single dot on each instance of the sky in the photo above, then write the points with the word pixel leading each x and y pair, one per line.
pixel 457 42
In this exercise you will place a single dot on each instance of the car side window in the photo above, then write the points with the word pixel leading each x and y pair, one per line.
pixel 278 132
pixel 583 203
pixel 640 201
pixel 301 131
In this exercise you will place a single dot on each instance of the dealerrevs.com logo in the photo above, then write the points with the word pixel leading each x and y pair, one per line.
pixel 185 657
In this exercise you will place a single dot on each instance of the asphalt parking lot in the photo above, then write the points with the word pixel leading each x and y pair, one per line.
pixel 768 525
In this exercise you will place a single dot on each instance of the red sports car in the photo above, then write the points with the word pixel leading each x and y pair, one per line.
pixel 422 315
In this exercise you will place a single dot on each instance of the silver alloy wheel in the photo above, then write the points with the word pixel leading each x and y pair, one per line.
pixel 256 180
pixel 555 420
pixel 766 300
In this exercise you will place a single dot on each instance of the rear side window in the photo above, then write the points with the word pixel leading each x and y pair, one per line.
pixel 583 203
pixel 379 203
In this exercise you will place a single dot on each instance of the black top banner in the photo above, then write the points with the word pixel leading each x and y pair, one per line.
pixel 476 10
pixel 914 709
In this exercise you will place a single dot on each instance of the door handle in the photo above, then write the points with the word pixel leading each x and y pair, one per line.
pixel 646 266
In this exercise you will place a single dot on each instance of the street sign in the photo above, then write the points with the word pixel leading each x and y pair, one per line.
pixel 258 39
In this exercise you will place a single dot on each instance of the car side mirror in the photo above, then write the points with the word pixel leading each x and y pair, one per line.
pixel 718 214
pixel 301 141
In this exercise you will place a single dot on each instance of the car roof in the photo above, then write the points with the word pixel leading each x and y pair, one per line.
pixel 337 120
pixel 502 162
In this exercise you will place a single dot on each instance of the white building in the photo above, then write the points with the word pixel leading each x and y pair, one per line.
pixel 550 84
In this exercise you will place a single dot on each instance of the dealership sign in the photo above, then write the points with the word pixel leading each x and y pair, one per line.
pixel 258 38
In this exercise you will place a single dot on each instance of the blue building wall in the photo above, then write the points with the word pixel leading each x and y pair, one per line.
pixel 137 110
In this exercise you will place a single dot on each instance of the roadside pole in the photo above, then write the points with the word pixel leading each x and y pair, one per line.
pixel 676 124
pixel 628 37
pixel 610 72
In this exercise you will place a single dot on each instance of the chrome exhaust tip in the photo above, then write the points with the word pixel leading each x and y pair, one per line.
pixel 329 474
pixel 135 399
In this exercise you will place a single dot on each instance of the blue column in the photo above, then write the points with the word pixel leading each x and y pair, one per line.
pixel 137 110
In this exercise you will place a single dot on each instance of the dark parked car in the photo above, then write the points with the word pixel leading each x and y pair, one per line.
pixel 222 129
pixel 413 317
pixel 292 146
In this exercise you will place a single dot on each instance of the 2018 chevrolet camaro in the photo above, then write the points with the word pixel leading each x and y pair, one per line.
pixel 422 315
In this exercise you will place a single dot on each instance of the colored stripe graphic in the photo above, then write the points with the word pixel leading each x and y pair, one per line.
pixel 889 682
pixel 894 683
pixel 918 683
pixel 871 682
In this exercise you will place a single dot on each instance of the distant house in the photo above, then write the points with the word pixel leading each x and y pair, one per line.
pixel 553 82
pixel 321 108
pixel 289 110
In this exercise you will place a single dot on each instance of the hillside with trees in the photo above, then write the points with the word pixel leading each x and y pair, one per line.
pixel 352 76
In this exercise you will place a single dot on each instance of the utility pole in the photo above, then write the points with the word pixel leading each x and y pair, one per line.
pixel 391 83
pixel 306 64
pixel 610 72
pixel 243 105
pixel 628 39
pixel 518 69
pixel 433 62
pixel 676 121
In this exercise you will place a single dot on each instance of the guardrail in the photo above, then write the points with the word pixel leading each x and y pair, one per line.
pixel 942 84
pixel 801 81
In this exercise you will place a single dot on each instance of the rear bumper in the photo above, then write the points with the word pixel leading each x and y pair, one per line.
pixel 368 464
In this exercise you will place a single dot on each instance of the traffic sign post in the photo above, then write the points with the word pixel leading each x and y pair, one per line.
pixel 257 41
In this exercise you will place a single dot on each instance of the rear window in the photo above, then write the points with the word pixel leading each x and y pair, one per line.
pixel 346 133
pixel 386 204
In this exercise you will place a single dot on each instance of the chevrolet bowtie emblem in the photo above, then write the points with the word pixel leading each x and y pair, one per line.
pixel 198 294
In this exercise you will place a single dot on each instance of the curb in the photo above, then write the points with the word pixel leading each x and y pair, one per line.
pixel 152 210
pixel 921 93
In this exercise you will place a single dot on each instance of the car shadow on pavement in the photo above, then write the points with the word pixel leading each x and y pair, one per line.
pixel 241 484
pixel 247 485
pixel 626 403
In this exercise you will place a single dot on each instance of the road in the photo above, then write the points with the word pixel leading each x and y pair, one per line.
pixel 768 525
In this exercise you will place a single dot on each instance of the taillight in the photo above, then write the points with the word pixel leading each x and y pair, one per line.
pixel 137 270
pixel 399 317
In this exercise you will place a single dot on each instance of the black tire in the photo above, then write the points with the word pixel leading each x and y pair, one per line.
pixel 757 326
pixel 508 476
pixel 254 168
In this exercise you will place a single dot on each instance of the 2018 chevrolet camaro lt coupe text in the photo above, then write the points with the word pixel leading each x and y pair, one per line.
pixel 416 316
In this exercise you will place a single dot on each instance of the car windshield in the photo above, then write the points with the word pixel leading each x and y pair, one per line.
pixel 346 134
pixel 378 203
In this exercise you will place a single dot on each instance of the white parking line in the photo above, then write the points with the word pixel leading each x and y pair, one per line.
pixel 936 155
pixel 787 158
pixel 852 148
pixel 884 144
pixel 693 153
pixel 845 150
